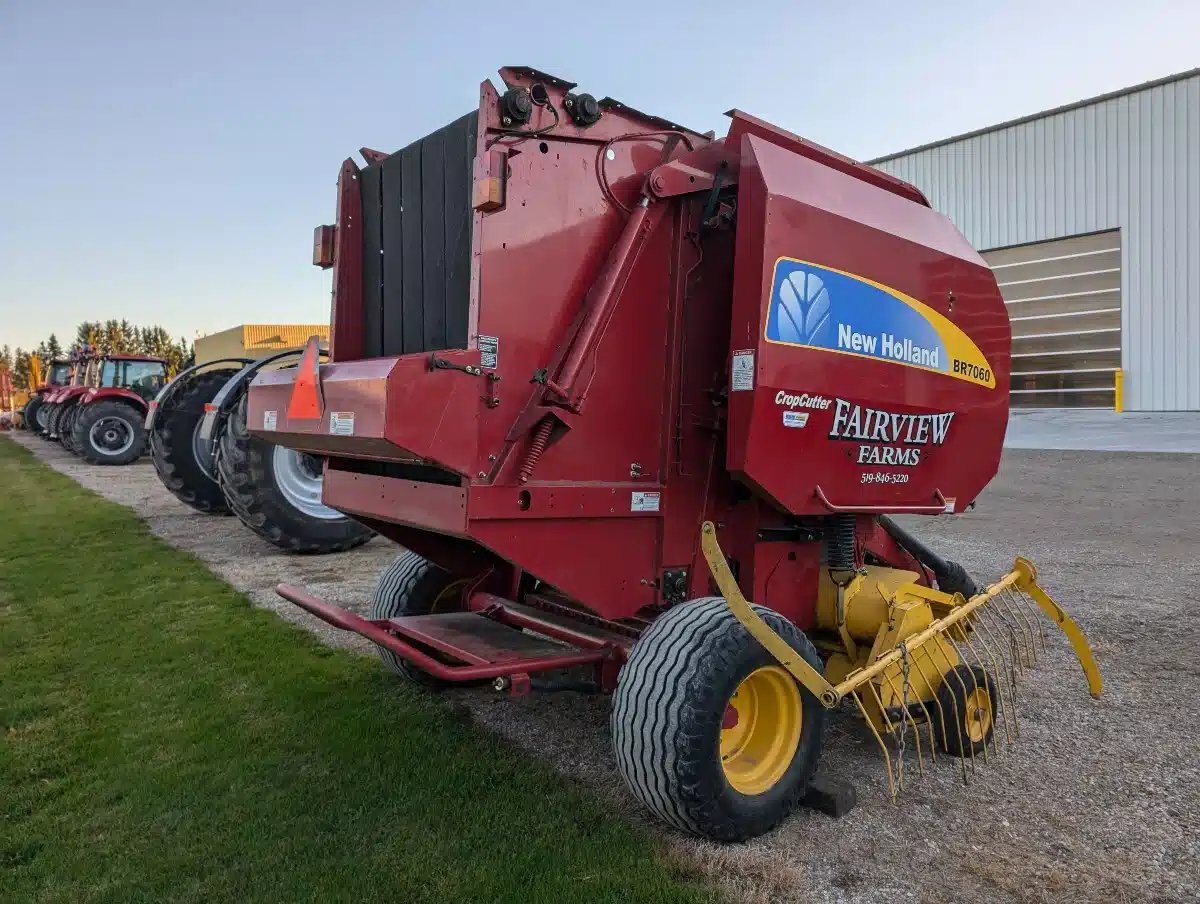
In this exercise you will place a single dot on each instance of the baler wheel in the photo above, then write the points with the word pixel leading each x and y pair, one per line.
pixel 968 703
pixel 108 433
pixel 411 585
pixel 709 732
pixel 264 489
pixel 173 448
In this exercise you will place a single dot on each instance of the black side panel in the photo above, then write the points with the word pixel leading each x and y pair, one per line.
pixel 372 262
pixel 394 265
pixel 407 243
pixel 459 159
pixel 418 291
pixel 417 222
pixel 433 240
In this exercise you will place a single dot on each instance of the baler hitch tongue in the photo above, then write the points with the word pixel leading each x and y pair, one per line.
pixel 941 665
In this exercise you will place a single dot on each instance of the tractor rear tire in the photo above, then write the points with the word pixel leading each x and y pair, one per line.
pixel 29 414
pixel 967 719
pixel 109 433
pixel 411 585
pixel 250 475
pixel 173 449
pixel 671 723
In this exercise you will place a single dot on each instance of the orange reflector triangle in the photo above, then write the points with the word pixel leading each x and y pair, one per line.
pixel 305 403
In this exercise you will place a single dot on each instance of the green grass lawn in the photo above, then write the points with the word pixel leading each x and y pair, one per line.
pixel 162 739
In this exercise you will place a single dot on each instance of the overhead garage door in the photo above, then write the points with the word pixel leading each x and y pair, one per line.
pixel 1064 301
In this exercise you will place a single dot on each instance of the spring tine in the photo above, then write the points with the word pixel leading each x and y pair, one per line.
pixel 1014 635
pixel 1037 616
pixel 887 760
pixel 1010 673
pixel 980 636
pixel 908 715
pixel 870 685
pixel 928 717
pixel 974 680
pixel 941 711
pixel 958 720
pixel 1023 619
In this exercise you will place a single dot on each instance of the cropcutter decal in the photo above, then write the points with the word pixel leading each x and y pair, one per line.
pixel 822 308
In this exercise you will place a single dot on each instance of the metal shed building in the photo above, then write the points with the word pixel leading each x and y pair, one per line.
pixel 1090 216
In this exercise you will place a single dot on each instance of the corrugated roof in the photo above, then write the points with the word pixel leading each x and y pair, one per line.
pixel 1100 98
pixel 282 335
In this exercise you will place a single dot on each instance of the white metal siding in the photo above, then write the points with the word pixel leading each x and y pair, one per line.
pixel 1129 162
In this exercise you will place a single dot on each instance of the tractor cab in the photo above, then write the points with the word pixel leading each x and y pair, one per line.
pixel 140 375
pixel 59 374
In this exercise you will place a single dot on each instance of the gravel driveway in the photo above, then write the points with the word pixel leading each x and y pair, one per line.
pixel 1100 801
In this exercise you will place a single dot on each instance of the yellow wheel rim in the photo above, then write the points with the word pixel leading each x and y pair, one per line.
pixel 978 720
pixel 761 734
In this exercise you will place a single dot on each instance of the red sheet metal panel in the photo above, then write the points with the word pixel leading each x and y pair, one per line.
pixel 870 345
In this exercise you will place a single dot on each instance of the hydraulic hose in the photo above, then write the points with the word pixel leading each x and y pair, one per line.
pixel 951 577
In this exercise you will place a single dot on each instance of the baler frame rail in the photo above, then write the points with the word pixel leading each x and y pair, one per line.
pixel 581 648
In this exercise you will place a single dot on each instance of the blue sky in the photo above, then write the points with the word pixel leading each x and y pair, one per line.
pixel 166 161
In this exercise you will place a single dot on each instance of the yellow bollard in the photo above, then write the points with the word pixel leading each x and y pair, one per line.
pixel 1119 391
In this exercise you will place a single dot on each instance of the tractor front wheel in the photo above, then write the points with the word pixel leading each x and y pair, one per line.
pixel 66 430
pixel 109 433
pixel 181 463
pixel 276 492
pixel 30 414
pixel 710 732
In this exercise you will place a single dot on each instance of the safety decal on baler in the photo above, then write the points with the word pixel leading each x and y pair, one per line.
pixel 819 307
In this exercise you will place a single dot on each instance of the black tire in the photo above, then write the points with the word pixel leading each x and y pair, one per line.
pixel 89 435
pixel 411 585
pixel 667 720
pixel 52 422
pixel 246 470
pixel 66 429
pixel 172 449
pixel 29 413
pixel 961 729
pixel 47 415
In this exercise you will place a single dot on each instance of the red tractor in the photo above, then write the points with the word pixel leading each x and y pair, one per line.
pixel 58 374
pixel 607 379
pixel 52 406
pixel 101 419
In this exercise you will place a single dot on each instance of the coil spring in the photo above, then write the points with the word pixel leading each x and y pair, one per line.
pixel 839 542
pixel 536 447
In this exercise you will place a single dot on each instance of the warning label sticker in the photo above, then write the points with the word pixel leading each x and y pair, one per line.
pixel 795 419
pixel 741 371
pixel 644 502
pixel 341 423
pixel 489 352
pixel 270 419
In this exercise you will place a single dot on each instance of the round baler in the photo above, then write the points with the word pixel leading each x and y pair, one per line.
pixel 204 454
pixel 604 414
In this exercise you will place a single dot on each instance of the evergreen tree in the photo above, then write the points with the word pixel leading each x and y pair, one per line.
pixel 6 358
pixel 54 349
pixel 21 369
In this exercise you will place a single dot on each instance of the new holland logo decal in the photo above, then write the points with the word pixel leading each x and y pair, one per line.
pixel 818 307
